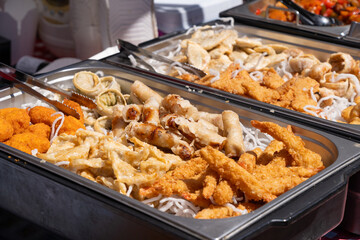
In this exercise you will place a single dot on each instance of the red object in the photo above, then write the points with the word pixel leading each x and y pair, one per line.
pixel 329 4
pixel 258 11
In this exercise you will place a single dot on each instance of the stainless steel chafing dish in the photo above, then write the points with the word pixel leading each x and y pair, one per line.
pixel 345 35
pixel 318 48
pixel 77 208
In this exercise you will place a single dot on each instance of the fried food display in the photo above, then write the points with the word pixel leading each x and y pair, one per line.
pixel 272 73
pixel 164 151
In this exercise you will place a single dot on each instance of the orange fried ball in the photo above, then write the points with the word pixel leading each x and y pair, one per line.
pixel 28 141
pixel 18 118
pixel 6 130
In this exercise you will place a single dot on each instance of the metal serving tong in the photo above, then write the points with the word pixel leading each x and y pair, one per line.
pixel 309 18
pixel 21 80
pixel 137 52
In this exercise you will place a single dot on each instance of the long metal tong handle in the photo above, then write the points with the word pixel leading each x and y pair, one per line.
pixel 22 86
pixel 82 100
pixel 133 48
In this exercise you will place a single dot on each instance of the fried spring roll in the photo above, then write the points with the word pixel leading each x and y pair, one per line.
pixel 176 104
pixel 143 92
pixel 151 111
pixel 159 137
pixel 132 112
pixel 234 145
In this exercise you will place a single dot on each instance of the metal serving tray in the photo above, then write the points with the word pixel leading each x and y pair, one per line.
pixel 246 14
pixel 78 208
pixel 320 49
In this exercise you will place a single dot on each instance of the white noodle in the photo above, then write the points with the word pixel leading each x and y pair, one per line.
pixel 53 126
pixel 257 76
pixel 62 163
pixel 151 200
pixel 312 94
pixel 129 190
pixel 235 209
pixel 34 152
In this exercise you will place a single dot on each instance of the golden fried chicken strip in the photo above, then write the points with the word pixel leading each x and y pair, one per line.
pixel 230 81
pixel 228 169
pixel 258 92
pixel 268 154
pixel 276 178
pixel 210 182
pixel 248 159
pixel 296 147
pixel 223 193
pixel 175 181
pixel 272 79
pixel 234 145
pixel 159 137
pixel 296 93
pixel 216 212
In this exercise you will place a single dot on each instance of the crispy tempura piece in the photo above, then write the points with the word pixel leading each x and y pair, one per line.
pixel 258 92
pixel 248 159
pixel 230 83
pixel 272 79
pixel 234 145
pixel 159 137
pixel 296 147
pixel 143 92
pixel 151 111
pixel 196 198
pixel 295 93
pixel 223 193
pixel 216 212
pixel 210 182
pixel 174 181
pixel 228 169
pixel 268 154
pixel 277 179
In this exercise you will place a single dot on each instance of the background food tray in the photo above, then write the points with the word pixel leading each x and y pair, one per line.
pixel 246 14
pixel 78 208
pixel 320 49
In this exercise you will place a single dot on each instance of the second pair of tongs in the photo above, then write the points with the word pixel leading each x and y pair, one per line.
pixel 138 52
pixel 21 80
